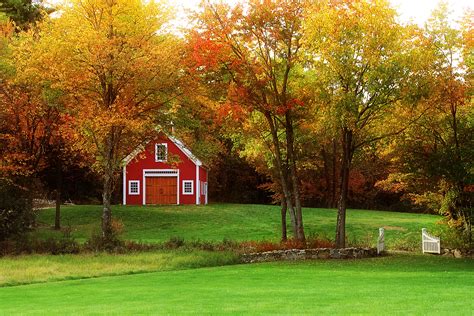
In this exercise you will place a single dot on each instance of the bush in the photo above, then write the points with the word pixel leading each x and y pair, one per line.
pixel 366 241
pixel 174 243
pixel 110 241
pixel 263 246
pixel 16 213
pixel 65 245
pixel 320 243
pixel 452 237
pixel 25 245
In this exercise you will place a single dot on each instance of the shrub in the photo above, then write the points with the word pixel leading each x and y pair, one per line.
pixel 259 246
pixel 228 244
pixel 451 237
pixel 16 213
pixel 264 246
pixel 25 244
pixel 366 241
pixel 59 246
pixel 66 244
pixel 174 243
pixel 133 246
pixel 110 241
pixel 203 245
pixel 7 247
pixel 293 244
pixel 320 243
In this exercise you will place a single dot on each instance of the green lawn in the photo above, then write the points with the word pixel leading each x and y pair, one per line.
pixel 188 281
pixel 401 284
pixel 216 222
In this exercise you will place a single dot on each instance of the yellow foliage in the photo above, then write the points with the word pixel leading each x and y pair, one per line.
pixel 115 65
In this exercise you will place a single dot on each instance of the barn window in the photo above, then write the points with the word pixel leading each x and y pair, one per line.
pixel 134 187
pixel 161 152
pixel 188 187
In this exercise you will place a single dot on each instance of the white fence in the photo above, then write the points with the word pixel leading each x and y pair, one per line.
pixel 381 241
pixel 430 243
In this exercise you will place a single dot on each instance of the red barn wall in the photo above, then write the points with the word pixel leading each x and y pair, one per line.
pixel 146 160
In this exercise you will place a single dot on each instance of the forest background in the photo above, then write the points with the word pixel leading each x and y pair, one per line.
pixel 301 103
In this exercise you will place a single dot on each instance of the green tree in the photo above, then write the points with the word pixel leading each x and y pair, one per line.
pixel 435 158
pixel 24 12
pixel 360 56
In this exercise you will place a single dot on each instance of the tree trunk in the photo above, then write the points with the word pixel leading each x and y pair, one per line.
pixel 59 184
pixel 57 216
pixel 334 171
pixel 289 199
pixel 342 204
pixel 327 178
pixel 470 225
pixel 293 175
pixel 108 184
pixel 282 172
pixel 283 220
pixel 29 190
pixel 106 201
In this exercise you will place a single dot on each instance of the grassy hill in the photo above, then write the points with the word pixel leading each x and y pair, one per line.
pixel 239 222
pixel 184 281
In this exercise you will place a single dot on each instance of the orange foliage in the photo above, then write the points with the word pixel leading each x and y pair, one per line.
pixel 28 125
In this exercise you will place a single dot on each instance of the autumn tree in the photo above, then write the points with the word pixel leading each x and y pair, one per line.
pixel 28 122
pixel 35 130
pixel 360 56
pixel 253 50
pixel 116 67
pixel 434 165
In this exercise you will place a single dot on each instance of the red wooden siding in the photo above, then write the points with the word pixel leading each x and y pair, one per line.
pixel 146 161
pixel 202 180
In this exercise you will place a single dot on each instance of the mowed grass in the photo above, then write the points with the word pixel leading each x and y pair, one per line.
pixel 215 222
pixel 400 285
pixel 188 281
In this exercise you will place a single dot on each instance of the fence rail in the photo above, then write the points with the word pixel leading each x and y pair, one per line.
pixel 430 244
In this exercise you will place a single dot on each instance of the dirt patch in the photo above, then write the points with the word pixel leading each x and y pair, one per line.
pixel 402 229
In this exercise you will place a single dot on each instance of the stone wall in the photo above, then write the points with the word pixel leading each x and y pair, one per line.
pixel 304 254
pixel 457 253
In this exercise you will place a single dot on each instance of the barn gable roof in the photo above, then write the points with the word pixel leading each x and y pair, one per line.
pixel 185 150
pixel 175 141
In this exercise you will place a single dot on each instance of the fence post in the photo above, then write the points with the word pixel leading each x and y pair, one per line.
pixel 381 241
pixel 423 234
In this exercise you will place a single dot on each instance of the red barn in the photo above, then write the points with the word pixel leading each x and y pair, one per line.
pixel 164 171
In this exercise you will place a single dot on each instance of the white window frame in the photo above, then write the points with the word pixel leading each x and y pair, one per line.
pixel 166 152
pixel 184 187
pixel 130 187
